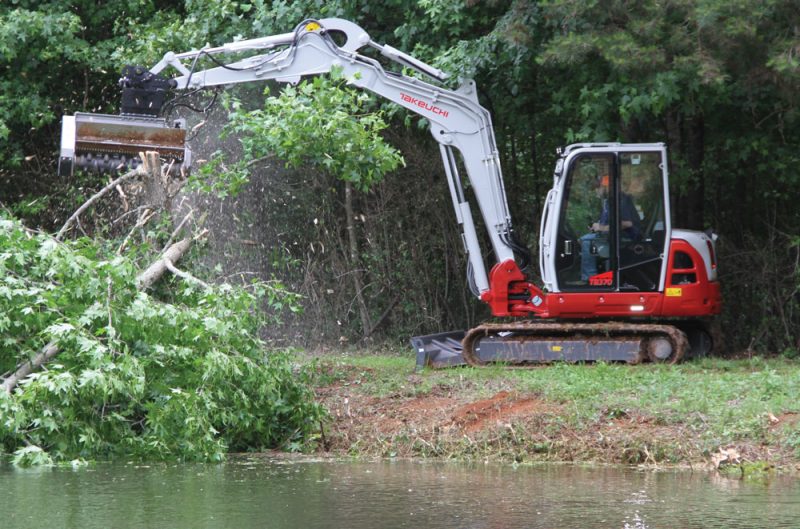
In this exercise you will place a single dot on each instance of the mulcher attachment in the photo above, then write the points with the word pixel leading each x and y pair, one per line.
pixel 103 143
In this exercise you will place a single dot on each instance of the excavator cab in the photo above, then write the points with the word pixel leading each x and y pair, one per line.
pixel 611 222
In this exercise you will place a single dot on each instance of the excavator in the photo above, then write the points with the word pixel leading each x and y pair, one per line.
pixel 618 282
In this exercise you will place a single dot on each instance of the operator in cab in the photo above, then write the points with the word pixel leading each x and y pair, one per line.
pixel 599 230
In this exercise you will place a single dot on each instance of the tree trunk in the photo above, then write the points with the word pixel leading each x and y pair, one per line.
pixel 155 181
pixel 686 138
pixel 355 271
pixel 695 150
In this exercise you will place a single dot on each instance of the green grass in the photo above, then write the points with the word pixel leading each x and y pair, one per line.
pixel 729 399
pixel 724 401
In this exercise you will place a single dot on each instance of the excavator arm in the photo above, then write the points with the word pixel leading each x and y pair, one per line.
pixel 457 122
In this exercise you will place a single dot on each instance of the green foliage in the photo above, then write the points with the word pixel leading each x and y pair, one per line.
pixel 188 25
pixel 322 124
pixel 32 42
pixel 717 81
pixel 135 376
pixel 219 178
pixel 32 456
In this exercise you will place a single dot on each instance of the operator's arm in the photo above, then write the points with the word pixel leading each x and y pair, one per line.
pixel 602 224
pixel 629 217
pixel 628 213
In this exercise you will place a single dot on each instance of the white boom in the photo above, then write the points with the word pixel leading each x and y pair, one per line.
pixel 457 121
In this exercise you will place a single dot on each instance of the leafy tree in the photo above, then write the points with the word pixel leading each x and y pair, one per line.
pixel 323 126
pixel 677 71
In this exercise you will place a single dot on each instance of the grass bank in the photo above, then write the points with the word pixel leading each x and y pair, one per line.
pixel 704 412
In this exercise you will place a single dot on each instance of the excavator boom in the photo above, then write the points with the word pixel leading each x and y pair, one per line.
pixel 458 122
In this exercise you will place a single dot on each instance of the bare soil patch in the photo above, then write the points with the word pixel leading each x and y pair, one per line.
pixel 511 425
pixel 784 420
pixel 498 410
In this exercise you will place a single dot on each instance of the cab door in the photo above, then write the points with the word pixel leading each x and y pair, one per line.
pixel 585 256
pixel 642 220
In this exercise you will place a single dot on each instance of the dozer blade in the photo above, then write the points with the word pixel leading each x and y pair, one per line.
pixel 103 143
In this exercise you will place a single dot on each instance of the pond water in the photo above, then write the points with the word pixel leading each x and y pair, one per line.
pixel 281 493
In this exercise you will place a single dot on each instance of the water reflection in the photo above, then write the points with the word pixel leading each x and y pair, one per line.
pixel 305 494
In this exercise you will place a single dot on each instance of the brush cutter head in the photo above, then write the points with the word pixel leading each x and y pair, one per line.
pixel 103 143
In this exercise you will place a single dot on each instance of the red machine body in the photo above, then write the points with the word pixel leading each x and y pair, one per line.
pixel 689 293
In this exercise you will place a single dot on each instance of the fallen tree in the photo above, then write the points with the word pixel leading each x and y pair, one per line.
pixel 143 281
pixel 98 357
pixel 155 185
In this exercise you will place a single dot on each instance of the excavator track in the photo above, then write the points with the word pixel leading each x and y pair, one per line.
pixel 522 344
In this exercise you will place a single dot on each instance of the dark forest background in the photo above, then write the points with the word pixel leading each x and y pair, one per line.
pixel 717 81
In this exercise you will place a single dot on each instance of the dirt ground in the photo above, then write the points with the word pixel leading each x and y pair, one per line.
pixel 517 427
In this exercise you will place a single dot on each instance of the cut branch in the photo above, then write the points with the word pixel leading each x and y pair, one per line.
pixel 177 230
pixel 383 316
pixel 185 275
pixel 86 205
pixel 50 350
pixel 144 217
pixel 251 163
pixel 134 211
pixel 154 272
pixel 124 197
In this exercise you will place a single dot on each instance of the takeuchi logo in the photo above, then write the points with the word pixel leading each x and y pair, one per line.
pixel 424 104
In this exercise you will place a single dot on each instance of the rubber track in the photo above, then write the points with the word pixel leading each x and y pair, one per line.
pixel 527 329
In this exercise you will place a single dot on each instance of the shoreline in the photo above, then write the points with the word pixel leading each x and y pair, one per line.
pixel 379 408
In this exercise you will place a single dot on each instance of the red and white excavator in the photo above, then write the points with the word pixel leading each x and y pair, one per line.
pixel 619 282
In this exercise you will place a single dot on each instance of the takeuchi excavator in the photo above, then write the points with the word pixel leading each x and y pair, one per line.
pixel 619 283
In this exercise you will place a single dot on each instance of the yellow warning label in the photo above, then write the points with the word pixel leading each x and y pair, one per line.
pixel 556 348
pixel 674 292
